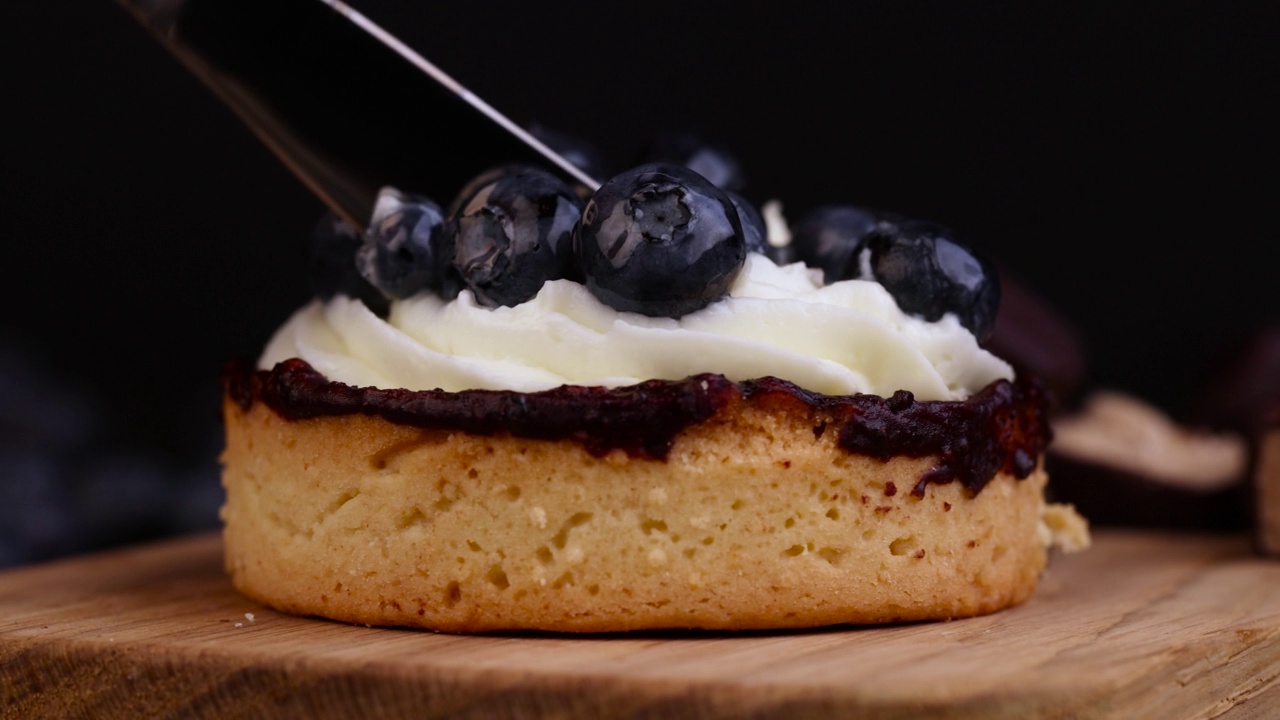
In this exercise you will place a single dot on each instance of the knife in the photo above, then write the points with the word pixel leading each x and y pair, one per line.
pixel 347 106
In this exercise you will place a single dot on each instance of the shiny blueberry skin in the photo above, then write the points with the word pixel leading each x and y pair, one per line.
pixel 661 240
pixel 332 264
pixel 397 255
pixel 826 237
pixel 506 234
pixel 930 272
pixel 710 160
pixel 754 231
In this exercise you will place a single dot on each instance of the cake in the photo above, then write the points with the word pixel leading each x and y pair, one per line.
pixel 524 411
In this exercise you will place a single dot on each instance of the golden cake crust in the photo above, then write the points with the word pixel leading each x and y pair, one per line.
pixel 752 520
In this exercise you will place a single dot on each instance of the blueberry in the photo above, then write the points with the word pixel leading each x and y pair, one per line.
pixel 508 232
pixel 577 151
pixel 709 159
pixel 931 272
pixel 826 237
pixel 754 231
pixel 397 255
pixel 334 243
pixel 661 240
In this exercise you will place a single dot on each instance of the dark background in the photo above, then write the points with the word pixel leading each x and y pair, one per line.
pixel 1116 156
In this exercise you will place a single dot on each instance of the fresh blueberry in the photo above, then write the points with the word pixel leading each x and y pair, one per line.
pixel 826 237
pixel 472 186
pixel 334 243
pixel 508 232
pixel 661 240
pixel 582 154
pixel 754 231
pixel 397 255
pixel 709 159
pixel 930 272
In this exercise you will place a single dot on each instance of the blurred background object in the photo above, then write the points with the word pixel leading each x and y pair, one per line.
pixel 1114 157
pixel 68 484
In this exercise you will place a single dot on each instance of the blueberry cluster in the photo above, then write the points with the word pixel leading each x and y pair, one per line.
pixel 664 238
pixel 927 267
pixel 658 239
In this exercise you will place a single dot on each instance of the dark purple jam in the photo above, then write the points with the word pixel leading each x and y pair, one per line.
pixel 1002 428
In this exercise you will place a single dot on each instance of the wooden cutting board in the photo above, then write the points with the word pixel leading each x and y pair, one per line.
pixel 1142 625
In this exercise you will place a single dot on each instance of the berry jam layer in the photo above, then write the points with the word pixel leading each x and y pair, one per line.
pixel 1003 428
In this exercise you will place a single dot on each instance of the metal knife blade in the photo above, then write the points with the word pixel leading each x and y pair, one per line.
pixel 346 105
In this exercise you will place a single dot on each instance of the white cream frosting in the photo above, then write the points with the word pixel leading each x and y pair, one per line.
pixel 839 339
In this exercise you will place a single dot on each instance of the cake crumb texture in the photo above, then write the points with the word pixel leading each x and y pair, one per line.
pixel 1063 528
pixel 753 521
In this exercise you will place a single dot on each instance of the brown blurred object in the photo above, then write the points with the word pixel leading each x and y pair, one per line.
pixel 1239 391
pixel 1124 463
pixel 1036 338
pixel 1241 383
pixel 1266 486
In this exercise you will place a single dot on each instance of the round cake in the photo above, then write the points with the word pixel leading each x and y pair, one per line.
pixel 765 445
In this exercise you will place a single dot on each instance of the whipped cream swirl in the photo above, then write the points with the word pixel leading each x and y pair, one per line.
pixel 840 339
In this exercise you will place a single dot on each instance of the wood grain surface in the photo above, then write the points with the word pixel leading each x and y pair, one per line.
pixel 1142 625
